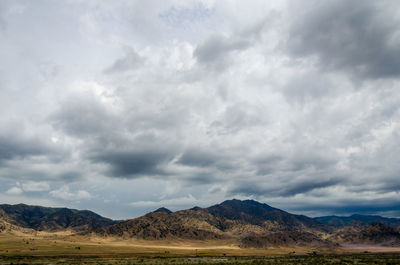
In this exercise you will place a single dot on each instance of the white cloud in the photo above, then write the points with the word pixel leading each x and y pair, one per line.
pixel 174 202
pixel 35 186
pixel 65 194
pixel 14 191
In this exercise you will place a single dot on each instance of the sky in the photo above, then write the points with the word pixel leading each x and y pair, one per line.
pixel 122 107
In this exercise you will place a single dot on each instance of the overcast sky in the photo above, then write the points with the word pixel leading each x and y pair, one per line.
pixel 122 106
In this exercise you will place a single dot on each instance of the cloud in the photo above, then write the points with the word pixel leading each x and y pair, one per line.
pixel 186 16
pixel 196 157
pixel 295 105
pixel 130 61
pixel 387 206
pixel 86 112
pixel 358 38
pixel 35 186
pixel 215 51
pixel 65 194
pixel 134 163
pixel 288 189
pixel 174 202
pixel 14 144
pixel 14 191
pixel 240 116
pixel 2 21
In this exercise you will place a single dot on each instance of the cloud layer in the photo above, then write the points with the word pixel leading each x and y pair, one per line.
pixel 125 106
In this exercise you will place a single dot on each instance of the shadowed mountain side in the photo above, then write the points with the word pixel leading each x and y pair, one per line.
pixel 3 222
pixel 162 209
pixel 188 224
pixel 52 219
pixel 230 219
pixel 247 223
pixel 355 219
pixel 7 227
pixel 374 234
pixel 251 212
pixel 288 238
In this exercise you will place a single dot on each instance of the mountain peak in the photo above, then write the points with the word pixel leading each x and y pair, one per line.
pixel 235 203
pixel 162 210
pixel 218 221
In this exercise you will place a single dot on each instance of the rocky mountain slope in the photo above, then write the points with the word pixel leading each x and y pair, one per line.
pixel 52 219
pixel 374 234
pixel 248 221
pixel 187 224
pixel 355 219
pixel 232 213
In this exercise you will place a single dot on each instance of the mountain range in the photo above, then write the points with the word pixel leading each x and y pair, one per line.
pixel 248 223
pixel 340 221
pixel 51 219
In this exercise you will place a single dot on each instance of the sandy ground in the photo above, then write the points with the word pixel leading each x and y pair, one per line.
pixel 371 248
pixel 65 243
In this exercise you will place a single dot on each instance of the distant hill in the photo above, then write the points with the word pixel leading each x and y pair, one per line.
pixel 187 224
pixel 246 223
pixel 243 220
pixel 52 219
pixel 7 227
pixel 354 219
pixel 374 234
pixel 3 221
pixel 250 212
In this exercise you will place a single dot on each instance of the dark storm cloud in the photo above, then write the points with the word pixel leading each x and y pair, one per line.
pixel 210 162
pixel 286 174
pixel 83 117
pixel 24 170
pixel 11 148
pixel 16 142
pixel 131 145
pixel 70 176
pixel 201 179
pixel 360 37
pixel 135 163
pixel 310 185
pixel 303 159
pixel 127 156
pixel 382 185
pixel 97 116
pixel 352 206
pixel 267 163
pixel 198 158
pixel 313 160
pixel 289 189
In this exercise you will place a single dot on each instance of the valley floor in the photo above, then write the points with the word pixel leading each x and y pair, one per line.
pixel 53 248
